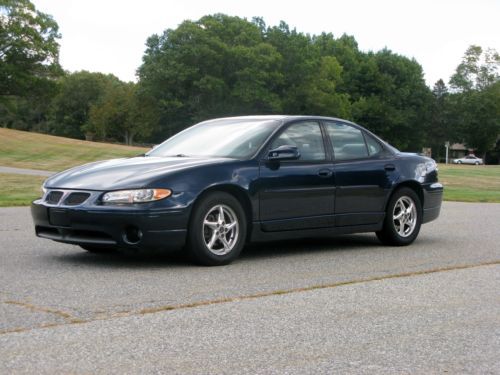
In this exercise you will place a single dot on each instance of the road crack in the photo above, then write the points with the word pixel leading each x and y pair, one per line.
pixel 71 320
pixel 62 314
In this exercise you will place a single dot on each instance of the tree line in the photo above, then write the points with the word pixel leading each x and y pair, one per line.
pixel 222 65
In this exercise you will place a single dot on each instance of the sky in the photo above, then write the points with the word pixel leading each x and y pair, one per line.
pixel 109 36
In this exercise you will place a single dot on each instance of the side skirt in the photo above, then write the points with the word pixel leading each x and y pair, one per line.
pixel 260 236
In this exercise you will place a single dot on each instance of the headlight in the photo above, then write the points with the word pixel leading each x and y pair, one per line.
pixel 136 196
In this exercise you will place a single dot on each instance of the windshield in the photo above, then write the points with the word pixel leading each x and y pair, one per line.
pixel 231 138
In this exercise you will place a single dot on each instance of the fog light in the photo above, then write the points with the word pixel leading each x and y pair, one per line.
pixel 132 235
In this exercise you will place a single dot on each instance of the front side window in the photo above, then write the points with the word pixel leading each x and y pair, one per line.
pixel 347 141
pixel 306 136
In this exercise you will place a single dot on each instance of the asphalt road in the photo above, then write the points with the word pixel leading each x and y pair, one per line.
pixel 337 305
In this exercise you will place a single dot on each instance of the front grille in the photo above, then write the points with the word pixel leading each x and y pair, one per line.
pixel 76 198
pixel 53 197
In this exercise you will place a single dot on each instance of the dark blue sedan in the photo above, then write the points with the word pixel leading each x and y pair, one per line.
pixel 222 183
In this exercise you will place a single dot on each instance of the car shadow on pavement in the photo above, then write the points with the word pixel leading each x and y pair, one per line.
pixel 179 259
pixel 310 245
pixel 143 259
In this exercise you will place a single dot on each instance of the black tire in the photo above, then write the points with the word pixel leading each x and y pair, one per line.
pixel 477 163
pixel 216 244
pixel 98 249
pixel 459 162
pixel 407 230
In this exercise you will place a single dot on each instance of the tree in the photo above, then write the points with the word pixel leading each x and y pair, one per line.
pixel 393 100
pixel 323 98
pixel 29 51
pixel 478 70
pixel 479 113
pixel 476 101
pixel 216 66
pixel 299 61
pixel 440 127
pixel 121 113
pixel 76 94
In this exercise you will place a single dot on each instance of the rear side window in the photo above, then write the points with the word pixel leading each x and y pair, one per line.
pixel 347 141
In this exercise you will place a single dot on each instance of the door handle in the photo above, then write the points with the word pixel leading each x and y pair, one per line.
pixel 325 173
pixel 389 167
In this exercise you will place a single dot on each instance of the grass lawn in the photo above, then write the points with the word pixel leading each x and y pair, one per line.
pixel 39 151
pixel 470 183
pixel 18 189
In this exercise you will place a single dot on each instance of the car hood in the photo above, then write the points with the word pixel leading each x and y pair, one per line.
pixel 125 173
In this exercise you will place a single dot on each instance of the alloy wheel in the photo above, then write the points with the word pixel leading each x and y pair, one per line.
pixel 220 229
pixel 404 216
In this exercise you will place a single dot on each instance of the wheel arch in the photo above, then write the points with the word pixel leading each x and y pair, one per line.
pixel 414 185
pixel 237 192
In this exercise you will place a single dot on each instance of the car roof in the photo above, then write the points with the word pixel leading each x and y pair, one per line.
pixel 279 117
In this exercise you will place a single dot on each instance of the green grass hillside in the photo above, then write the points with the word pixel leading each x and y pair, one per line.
pixel 39 151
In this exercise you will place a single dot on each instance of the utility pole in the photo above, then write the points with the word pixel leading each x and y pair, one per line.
pixel 447 145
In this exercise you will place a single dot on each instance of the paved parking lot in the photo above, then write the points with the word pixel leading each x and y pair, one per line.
pixel 345 304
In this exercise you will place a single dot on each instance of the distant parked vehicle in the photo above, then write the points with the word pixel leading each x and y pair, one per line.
pixel 469 159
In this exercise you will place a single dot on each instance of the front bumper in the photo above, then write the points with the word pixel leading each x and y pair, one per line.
pixel 433 198
pixel 122 227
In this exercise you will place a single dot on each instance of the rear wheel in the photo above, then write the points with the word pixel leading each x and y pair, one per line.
pixel 403 218
pixel 97 249
pixel 217 230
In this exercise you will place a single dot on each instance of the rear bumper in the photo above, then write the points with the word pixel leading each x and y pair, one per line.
pixel 139 229
pixel 433 198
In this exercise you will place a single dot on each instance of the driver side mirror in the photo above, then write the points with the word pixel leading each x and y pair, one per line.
pixel 285 152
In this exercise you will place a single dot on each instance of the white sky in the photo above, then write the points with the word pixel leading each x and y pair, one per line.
pixel 109 35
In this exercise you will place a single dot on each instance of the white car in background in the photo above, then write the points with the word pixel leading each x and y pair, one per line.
pixel 469 159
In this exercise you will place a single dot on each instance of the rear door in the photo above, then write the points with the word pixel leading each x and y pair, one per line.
pixel 298 194
pixel 362 175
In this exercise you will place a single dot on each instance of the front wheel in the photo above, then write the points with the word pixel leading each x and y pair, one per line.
pixel 403 218
pixel 217 230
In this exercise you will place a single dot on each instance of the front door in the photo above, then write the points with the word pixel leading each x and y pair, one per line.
pixel 298 194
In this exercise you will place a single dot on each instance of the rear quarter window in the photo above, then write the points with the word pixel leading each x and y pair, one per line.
pixel 347 141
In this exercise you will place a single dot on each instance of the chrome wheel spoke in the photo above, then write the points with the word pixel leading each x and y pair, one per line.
pixel 399 216
pixel 212 241
pixel 231 226
pixel 409 209
pixel 221 215
pixel 226 244
pixel 210 224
